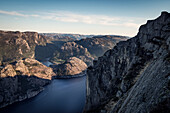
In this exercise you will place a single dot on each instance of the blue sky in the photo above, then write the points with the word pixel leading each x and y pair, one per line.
pixel 119 17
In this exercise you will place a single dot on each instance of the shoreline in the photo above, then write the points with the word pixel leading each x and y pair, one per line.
pixel 69 76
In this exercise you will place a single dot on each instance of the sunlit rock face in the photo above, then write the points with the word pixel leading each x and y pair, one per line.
pixel 72 66
pixel 134 76
pixel 86 49
pixel 17 45
pixel 22 79
pixel 72 49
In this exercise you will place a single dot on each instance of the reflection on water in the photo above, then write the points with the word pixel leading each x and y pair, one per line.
pixel 46 62
pixel 61 96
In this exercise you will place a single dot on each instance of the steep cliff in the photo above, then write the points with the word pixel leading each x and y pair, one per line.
pixel 72 49
pixel 134 76
pixel 17 45
pixel 22 79
pixel 85 49
pixel 21 76
pixel 98 45
pixel 72 66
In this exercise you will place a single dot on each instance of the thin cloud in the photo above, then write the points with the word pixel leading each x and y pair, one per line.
pixel 65 16
pixel 14 13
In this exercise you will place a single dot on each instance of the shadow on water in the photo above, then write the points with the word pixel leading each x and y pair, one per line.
pixel 61 96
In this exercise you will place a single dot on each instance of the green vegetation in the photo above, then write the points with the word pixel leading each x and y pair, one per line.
pixel 57 61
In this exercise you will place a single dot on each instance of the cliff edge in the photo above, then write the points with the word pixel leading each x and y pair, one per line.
pixel 72 66
pixel 134 76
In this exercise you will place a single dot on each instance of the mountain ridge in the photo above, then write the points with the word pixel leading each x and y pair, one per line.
pixel 127 79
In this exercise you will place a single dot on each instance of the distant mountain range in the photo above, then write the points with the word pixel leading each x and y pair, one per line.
pixel 73 36
pixel 65 36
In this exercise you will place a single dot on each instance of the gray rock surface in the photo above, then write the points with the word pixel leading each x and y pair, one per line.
pixel 22 79
pixel 73 66
pixel 134 76
pixel 18 45
pixel 85 49
pixel 98 45
pixel 72 49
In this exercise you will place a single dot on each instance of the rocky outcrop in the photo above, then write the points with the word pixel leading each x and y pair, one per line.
pixel 28 67
pixel 73 66
pixel 72 49
pixel 98 45
pixel 134 76
pixel 22 79
pixel 84 49
pixel 17 45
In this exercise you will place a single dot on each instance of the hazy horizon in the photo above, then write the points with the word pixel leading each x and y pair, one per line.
pixel 90 17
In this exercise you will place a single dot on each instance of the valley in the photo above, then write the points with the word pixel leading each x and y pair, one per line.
pixel 84 56
pixel 30 61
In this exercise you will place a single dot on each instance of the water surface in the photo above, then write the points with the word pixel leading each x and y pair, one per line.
pixel 61 96
pixel 47 62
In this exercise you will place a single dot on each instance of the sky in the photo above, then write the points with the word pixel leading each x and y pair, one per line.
pixel 97 17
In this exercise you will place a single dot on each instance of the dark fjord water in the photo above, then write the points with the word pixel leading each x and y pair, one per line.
pixel 61 96
pixel 46 62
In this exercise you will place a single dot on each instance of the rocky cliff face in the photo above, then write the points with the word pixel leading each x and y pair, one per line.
pixel 98 45
pixel 21 76
pixel 72 66
pixel 84 49
pixel 17 45
pixel 72 49
pixel 134 76
pixel 22 79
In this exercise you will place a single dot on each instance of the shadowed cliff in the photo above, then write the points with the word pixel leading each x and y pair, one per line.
pixel 22 79
pixel 134 76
